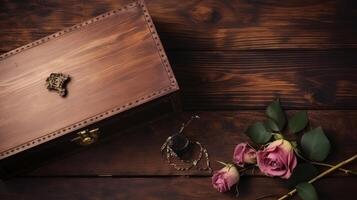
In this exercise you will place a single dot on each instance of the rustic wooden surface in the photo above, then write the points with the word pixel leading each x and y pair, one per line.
pixel 234 56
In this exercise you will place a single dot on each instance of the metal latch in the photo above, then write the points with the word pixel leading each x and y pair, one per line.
pixel 87 137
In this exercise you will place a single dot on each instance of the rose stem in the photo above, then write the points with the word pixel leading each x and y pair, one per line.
pixel 292 192
pixel 328 165
pixel 325 164
pixel 266 196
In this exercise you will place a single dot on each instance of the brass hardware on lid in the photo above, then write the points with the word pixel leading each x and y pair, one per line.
pixel 87 137
pixel 57 82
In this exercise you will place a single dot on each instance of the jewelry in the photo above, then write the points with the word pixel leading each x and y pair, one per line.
pixel 177 145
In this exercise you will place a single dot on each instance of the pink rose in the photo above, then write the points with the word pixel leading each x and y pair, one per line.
pixel 225 178
pixel 244 154
pixel 277 159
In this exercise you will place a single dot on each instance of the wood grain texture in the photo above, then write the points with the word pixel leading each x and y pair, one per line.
pixel 231 55
pixel 199 25
pixel 322 79
pixel 218 131
pixel 110 72
pixel 60 147
pixel 251 79
pixel 175 188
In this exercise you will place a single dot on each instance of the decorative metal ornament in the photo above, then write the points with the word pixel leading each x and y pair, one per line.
pixel 176 145
pixel 57 82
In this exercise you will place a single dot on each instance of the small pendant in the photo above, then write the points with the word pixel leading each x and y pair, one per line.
pixel 178 146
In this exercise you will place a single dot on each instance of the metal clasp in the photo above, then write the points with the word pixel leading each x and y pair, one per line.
pixel 87 137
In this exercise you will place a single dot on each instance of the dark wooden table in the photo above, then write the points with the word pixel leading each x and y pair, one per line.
pixel 231 58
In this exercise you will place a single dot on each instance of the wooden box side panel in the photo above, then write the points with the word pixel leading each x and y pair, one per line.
pixel 59 148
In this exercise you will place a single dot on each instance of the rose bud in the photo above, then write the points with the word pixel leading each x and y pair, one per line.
pixel 225 178
pixel 277 159
pixel 244 154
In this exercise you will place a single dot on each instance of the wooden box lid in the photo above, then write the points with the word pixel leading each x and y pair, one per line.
pixel 115 62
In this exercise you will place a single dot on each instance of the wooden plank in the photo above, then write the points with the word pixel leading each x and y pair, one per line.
pixel 199 25
pixel 251 79
pixel 136 152
pixel 221 80
pixel 160 188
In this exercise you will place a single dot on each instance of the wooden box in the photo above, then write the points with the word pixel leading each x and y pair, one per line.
pixel 64 90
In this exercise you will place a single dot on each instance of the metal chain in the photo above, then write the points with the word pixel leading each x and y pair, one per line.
pixel 189 163
pixel 170 154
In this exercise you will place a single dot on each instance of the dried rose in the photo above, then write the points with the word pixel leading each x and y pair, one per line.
pixel 225 178
pixel 277 159
pixel 244 154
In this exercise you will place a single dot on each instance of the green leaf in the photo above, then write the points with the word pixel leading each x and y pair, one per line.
pixel 271 125
pixel 258 133
pixel 298 122
pixel 315 144
pixel 276 113
pixel 302 172
pixel 306 191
